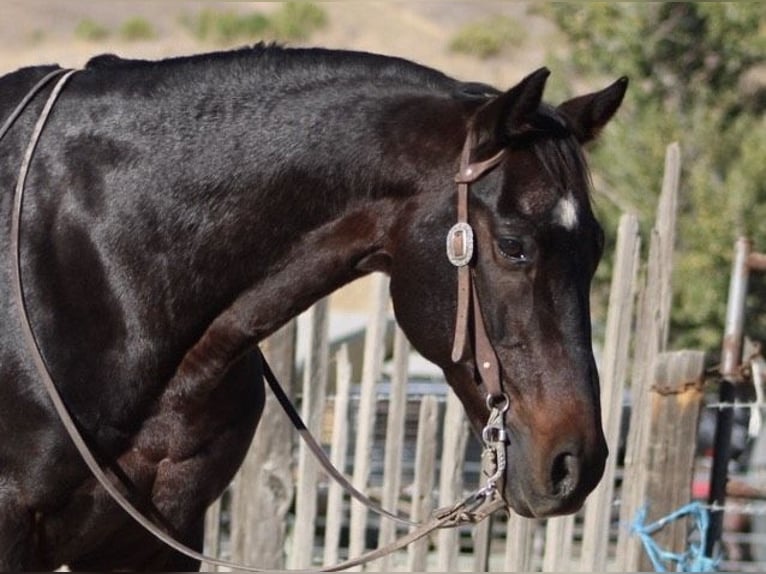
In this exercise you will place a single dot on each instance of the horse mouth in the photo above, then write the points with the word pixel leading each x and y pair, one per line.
pixel 542 507
pixel 562 489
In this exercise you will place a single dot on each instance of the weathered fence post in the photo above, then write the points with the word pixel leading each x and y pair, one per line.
pixel 558 544
pixel 653 323
pixel 337 456
pixel 392 464
pixel 614 369
pixel 519 544
pixel 731 361
pixel 451 479
pixel 312 409
pixel 212 541
pixel 482 545
pixel 371 370
pixel 423 482
pixel 263 489
pixel 676 398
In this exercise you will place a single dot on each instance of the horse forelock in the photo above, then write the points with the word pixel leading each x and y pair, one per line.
pixel 560 154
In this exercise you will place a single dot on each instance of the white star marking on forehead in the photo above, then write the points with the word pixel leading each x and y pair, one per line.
pixel 565 212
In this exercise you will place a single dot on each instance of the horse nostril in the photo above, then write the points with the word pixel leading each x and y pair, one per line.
pixel 565 474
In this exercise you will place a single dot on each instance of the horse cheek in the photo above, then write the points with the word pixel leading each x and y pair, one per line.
pixel 422 291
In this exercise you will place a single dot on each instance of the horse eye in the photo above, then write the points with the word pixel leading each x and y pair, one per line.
pixel 512 248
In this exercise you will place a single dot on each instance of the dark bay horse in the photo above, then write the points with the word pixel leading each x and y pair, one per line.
pixel 178 212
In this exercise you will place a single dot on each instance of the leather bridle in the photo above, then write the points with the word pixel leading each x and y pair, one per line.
pixel 461 242
pixel 475 507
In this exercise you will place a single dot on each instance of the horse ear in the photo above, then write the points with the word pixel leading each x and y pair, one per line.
pixel 510 114
pixel 586 115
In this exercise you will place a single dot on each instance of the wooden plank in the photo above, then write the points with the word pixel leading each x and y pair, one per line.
pixel 558 544
pixel 451 479
pixel 335 509
pixel 312 410
pixel 263 489
pixel 392 469
pixel 425 467
pixel 482 542
pixel 519 544
pixel 614 369
pixel 676 401
pixel 371 370
pixel 666 225
pixel 212 542
pixel 653 325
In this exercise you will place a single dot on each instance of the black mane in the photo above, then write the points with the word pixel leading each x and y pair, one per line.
pixel 302 66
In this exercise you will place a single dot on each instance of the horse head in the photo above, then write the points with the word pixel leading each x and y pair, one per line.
pixel 536 246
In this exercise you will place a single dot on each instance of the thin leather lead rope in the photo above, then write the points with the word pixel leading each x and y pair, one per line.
pixel 42 369
pixel 34 348
pixel 19 109
pixel 318 451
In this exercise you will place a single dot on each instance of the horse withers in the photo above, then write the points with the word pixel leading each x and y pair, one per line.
pixel 178 212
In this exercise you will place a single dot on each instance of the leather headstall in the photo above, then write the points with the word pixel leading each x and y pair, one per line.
pixel 461 242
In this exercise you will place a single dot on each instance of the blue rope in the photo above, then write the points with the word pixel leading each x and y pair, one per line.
pixel 693 559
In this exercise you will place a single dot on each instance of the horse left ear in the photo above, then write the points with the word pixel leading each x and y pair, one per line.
pixel 586 115
pixel 512 113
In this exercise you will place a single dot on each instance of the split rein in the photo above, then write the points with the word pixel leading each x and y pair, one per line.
pixel 474 508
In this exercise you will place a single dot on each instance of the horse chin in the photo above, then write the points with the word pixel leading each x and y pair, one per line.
pixel 519 506
pixel 523 506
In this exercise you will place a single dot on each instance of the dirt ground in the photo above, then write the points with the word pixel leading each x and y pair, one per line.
pixel 43 31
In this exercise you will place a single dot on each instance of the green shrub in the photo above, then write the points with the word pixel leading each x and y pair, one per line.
pixel 136 29
pixel 211 25
pixel 293 21
pixel 488 38
pixel 694 71
pixel 297 20
pixel 90 30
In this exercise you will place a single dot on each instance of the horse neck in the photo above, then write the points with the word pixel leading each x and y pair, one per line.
pixel 316 194
pixel 303 248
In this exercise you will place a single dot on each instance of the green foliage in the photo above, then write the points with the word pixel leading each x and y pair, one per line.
pixel 293 21
pixel 226 26
pixel 136 29
pixel 132 30
pixel 297 20
pixel 488 38
pixel 698 76
pixel 90 30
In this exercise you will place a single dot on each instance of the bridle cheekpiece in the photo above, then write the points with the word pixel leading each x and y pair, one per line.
pixel 461 243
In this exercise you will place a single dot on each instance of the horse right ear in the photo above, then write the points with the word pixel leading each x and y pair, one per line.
pixel 587 114
pixel 511 113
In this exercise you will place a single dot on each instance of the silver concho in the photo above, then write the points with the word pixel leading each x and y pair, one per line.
pixel 460 244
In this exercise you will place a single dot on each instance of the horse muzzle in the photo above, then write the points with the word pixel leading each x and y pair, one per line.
pixel 550 482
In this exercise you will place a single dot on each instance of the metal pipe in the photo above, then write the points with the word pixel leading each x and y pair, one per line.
pixel 731 352
pixel 731 359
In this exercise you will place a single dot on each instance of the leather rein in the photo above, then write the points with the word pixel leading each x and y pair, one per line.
pixel 475 507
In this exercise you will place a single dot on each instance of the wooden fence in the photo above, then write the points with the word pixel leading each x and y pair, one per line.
pixel 413 450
